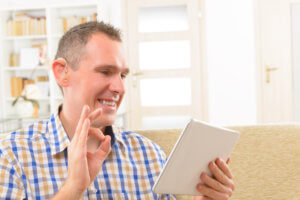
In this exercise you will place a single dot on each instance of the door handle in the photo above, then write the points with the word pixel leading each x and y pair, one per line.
pixel 138 73
pixel 135 76
pixel 268 71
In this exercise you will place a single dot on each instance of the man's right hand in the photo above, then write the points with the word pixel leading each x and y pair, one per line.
pixel 83 166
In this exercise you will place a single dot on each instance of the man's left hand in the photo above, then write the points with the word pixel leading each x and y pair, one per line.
pixel 218 187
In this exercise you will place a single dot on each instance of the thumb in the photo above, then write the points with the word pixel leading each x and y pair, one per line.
pixel 104 149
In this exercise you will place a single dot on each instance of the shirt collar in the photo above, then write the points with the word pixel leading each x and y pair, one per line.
pixel 109 131
pixel 59 138
pixel 118 135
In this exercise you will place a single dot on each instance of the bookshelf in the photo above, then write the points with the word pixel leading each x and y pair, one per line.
pixel 26 37
pixel 23 29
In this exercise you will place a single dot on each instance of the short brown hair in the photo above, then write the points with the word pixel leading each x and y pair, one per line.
pixel 74 40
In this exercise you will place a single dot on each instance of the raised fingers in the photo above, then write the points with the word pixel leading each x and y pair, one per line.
pixel 83 116
pixel 84 132
pixel 96 113
pixel 104 149
pixel 97 133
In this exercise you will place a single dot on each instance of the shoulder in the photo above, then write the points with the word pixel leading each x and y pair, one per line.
pixel 19 139
pixel 138 142
pixel 138 139
pixel 29 132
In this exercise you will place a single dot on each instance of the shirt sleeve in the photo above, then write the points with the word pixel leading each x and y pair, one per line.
pixel 168 197
pixel 11 186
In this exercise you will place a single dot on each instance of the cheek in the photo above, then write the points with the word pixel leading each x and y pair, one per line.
pixel 82 89
pixel 91 83
pixel 98 83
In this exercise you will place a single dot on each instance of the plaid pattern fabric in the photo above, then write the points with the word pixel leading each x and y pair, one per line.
pixel 33 164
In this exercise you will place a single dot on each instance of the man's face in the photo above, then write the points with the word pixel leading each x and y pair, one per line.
pixel 99 79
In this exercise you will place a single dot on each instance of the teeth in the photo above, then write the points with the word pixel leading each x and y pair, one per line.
pixel 116 98
pixel 108 103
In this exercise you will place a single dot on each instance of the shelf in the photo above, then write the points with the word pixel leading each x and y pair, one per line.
pixel 16 117
pixel 74 5
pixel 53 13
pixel 57 36
pixel 18 68
pixel 19 7
pixel 27 37
pixel 39 99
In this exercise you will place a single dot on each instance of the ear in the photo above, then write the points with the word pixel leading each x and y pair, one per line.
pixel 60 71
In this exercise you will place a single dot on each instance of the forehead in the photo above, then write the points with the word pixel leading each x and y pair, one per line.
pixel 101 50
pixel 101 45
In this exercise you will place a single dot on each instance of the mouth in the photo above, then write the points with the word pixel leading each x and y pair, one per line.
pixel 109 104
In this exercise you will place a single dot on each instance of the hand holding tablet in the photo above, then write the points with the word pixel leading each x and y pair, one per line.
pixel 198 145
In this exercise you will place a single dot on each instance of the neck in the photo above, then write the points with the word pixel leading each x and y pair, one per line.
pixel 69 120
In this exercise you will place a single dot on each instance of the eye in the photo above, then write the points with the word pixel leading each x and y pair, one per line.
pixel 105 72
pixel 123 76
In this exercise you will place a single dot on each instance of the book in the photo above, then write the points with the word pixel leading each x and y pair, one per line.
pixel 17 85
pixel 73 20
pixel 13 86
pixel 24 24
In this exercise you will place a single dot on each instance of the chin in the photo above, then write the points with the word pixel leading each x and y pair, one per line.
pixel 104 121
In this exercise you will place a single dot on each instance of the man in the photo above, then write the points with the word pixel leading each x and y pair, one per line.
pixel 77 153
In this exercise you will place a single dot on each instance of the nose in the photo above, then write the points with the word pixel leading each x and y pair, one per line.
pixel 117 85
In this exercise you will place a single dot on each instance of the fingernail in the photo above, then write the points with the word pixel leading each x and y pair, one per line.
pixel 228 160
pixel 201 175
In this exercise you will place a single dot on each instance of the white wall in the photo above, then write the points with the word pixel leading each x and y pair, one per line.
pixel 231 62
pixel 230 58
pixel 296 59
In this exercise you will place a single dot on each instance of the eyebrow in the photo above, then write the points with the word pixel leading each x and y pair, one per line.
pixel 126 70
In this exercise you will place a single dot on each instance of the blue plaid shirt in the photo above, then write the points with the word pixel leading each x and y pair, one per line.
pixel 33 164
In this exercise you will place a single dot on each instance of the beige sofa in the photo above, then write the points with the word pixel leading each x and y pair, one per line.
pixel 265 161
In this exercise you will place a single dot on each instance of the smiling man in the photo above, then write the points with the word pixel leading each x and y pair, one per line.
pixel 77 153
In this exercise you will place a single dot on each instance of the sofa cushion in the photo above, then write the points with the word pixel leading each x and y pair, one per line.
pixel 265 161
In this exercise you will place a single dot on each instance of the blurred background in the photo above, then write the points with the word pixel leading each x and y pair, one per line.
pixel 233 62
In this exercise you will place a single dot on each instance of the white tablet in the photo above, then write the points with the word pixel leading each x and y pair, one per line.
pixel 198 144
